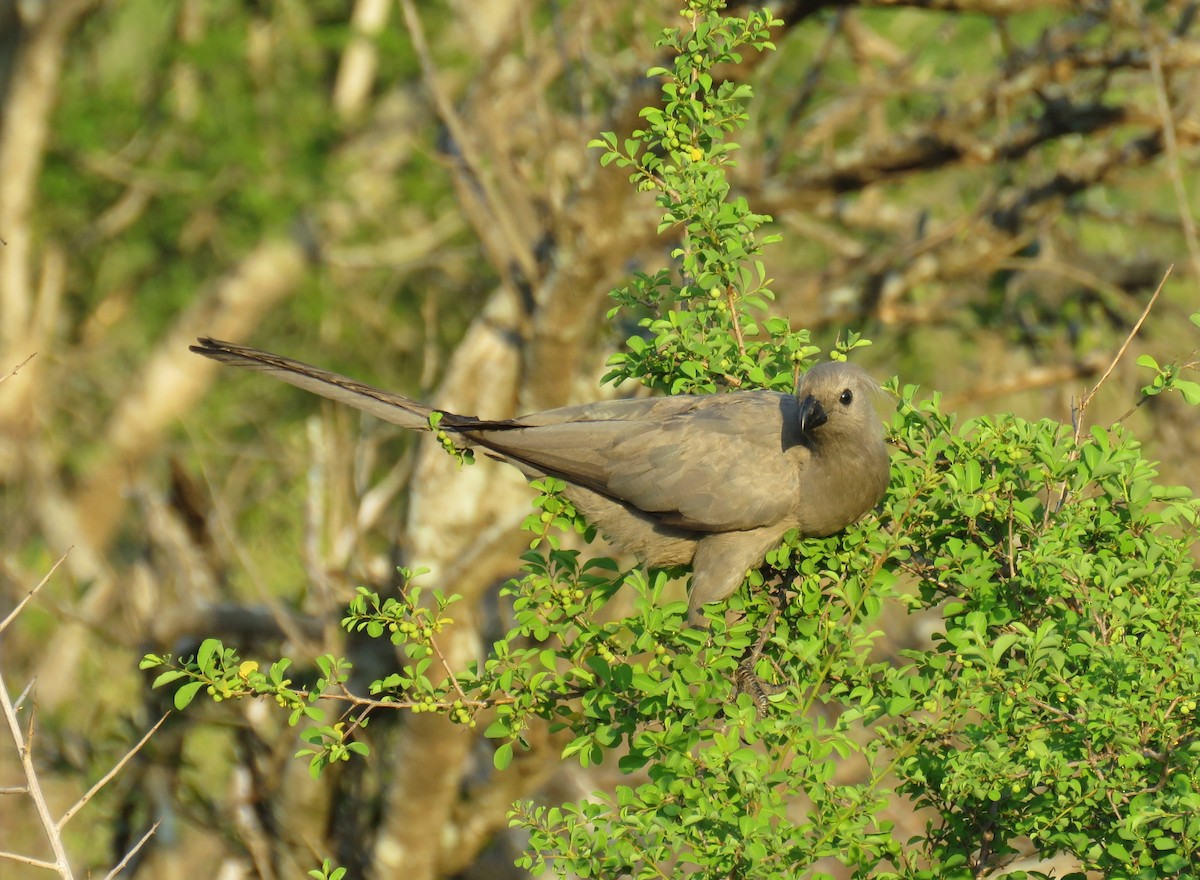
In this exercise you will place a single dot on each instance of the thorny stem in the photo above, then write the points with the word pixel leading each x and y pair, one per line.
pixel 1077 412
pixel 731 295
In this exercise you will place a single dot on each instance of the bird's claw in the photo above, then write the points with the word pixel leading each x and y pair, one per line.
pixel 747 681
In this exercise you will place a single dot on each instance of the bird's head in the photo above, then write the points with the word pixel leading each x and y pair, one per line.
pixel 839 399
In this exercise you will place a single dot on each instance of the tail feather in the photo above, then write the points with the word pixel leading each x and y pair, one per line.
pixel 382 404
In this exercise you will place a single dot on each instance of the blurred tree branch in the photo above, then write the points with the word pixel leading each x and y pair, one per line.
pixel 28 100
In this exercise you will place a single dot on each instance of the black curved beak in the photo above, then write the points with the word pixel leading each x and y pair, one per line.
pixel 812 415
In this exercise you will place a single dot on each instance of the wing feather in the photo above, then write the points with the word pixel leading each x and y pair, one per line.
pixel 706 463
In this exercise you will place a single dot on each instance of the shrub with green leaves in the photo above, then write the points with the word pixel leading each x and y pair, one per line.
pixel 1059 702
pixel 1054 710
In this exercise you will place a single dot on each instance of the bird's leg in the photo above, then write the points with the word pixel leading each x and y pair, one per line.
pixel 746 679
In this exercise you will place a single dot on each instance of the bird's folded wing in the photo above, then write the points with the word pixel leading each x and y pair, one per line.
pixel 709 463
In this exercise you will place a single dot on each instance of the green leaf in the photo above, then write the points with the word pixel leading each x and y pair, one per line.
pixel 1118 852
pixel 1002 643
pixel 168 677
pixel 187 693
pixel 208 649
pixel 503 756
pixel 1190 390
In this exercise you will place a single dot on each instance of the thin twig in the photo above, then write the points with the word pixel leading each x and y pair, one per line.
pixel 91 792
pixel 1077 410
pixel 353 699
pixel 17 368
pixel 449 672
pixel 733 317
pixel 120 866
pixel 13 614
pixel 28 860
pixel 1077 415
pixel 1189 365
pixel 20 701
pixel 24 746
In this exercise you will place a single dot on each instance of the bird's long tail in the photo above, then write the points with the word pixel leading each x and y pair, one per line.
pixel 381 404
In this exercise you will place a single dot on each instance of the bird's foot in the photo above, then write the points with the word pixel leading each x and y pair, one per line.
pixel 747 681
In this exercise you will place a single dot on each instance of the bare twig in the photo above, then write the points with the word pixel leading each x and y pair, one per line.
pixel 1188 365
pixel 17 368
pixel 733 317
pixel 12 615
pixel 91 792
pixel 453 679
pixel 20 701
pixel 1077 411
pixel 120 866
pixel 24 745
pixel 28 860
pixel 23 740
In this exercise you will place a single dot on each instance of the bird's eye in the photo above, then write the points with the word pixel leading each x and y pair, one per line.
pixel 846 398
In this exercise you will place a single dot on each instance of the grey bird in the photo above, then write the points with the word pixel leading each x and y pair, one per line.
pixel 710 481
